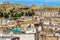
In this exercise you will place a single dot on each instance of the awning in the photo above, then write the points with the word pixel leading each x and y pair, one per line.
pixel 16 30
pixel 29 22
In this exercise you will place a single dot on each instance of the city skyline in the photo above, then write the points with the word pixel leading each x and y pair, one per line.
pixel 34 2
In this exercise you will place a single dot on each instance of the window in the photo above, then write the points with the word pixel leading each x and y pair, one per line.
pixel 58 13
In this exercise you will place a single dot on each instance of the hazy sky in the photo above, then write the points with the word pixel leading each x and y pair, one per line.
pixel 36 2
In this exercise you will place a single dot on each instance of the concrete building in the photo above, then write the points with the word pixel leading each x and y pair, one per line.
pixel 18 37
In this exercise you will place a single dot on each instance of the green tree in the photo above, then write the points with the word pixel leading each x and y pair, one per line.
pixel 31 13
pixel 6 15
pixel 1 14
pixel 22 13
pixel 18 15
pixel 26 14
pixel 11 12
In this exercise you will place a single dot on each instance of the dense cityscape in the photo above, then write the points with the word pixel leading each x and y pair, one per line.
pixel 21 22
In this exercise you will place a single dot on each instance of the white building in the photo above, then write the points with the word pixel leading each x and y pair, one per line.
pixel 19 36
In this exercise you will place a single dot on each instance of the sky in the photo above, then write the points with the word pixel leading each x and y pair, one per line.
pixel 34 2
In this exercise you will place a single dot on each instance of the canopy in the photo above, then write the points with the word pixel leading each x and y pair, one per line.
pixel 16 30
